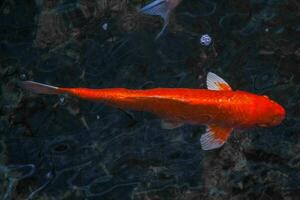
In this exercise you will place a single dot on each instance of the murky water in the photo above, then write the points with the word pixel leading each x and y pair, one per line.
pixel 58 147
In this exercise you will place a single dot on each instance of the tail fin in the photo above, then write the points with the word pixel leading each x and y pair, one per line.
pixel 159 8
pixel 39 88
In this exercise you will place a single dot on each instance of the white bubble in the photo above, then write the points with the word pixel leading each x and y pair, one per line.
pixel 49 175
pixel 61 99
pixel 105 26
pixel 205 40
pixel 23 77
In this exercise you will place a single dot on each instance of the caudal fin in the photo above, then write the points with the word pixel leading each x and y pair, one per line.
pixel 159 8
pixel 39 88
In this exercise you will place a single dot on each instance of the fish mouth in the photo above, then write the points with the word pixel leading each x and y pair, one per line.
pixel 274 121
pixel 279 114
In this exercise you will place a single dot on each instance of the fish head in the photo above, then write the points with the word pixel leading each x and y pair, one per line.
pixel 270 112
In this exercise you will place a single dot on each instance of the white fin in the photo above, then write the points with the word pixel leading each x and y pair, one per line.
pixel 166 124
pixel 39 88
pixel 214 137
pixel 159 8
pixel 214 82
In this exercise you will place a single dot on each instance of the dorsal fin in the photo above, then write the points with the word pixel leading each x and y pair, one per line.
pixel 214 82
pixel 214 137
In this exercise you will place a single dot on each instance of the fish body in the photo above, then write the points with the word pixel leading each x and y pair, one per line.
pixel 219 108
pixel 192 106
pixel 162 8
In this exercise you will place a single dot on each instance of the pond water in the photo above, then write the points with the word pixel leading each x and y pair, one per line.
pixel 60 147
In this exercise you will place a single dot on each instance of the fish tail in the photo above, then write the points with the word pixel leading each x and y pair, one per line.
pixel 159 8
pixel 156 7
pixel 40 88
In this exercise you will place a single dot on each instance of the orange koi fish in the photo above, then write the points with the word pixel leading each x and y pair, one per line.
pixel 219 107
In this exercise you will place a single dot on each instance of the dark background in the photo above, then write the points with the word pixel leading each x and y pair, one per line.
pixel 57 147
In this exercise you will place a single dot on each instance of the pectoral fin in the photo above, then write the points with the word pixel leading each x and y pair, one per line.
pixel 214 82
pixel 214 137
pixel 166 124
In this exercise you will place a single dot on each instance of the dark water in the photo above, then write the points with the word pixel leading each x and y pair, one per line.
pixel 62 148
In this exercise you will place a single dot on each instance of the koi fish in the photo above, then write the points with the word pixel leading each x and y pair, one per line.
pixel 162 8
pixel 218 107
